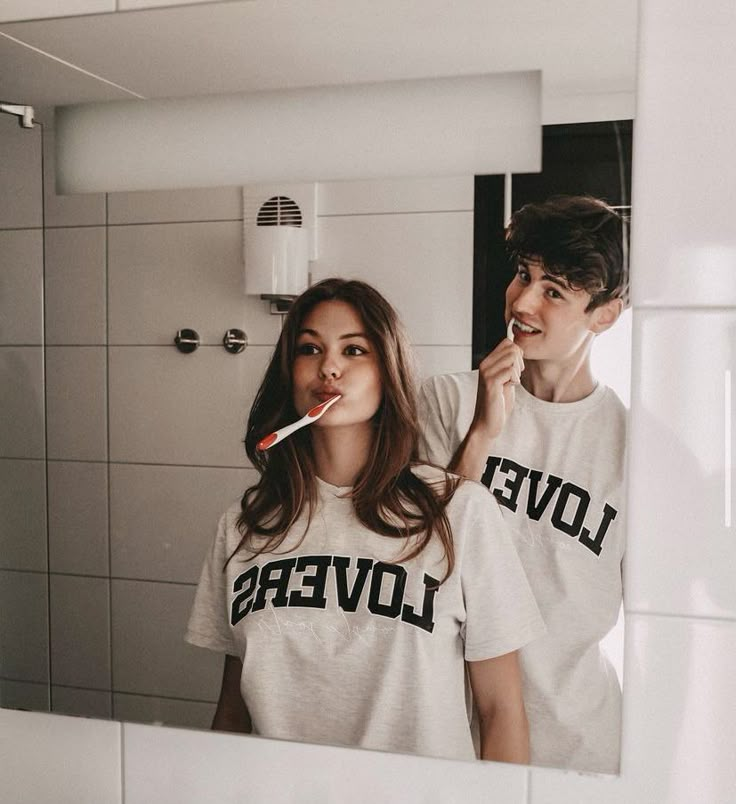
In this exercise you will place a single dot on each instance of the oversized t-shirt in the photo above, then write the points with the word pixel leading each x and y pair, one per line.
pixel 557 471
pixel 344 642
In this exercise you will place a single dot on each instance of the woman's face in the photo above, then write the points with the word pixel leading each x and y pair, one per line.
pixel 334 356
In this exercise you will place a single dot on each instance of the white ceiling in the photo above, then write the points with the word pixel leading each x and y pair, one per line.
pixel 583 47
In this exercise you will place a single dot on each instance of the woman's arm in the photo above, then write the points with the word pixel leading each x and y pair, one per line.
pixel 231 713
pixel 504 731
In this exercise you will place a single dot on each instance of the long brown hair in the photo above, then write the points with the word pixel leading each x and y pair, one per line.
pixel 388 497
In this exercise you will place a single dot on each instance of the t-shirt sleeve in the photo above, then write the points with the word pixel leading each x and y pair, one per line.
pixel 501 614
pixel 434 439
pixel 209 626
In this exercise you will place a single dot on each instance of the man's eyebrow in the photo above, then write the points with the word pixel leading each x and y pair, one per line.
pixel 557 281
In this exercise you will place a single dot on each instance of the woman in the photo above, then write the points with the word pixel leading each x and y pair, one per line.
pixel 351 585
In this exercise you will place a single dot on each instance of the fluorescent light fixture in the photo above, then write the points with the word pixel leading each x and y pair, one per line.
pixel 462 125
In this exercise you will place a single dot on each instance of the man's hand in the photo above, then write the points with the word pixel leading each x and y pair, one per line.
pixel 498 374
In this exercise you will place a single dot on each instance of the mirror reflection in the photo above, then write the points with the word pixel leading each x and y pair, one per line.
pixel 118 454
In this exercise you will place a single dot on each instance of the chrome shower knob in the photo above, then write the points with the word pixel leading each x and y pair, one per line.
pixel 235 341
pixel 187 340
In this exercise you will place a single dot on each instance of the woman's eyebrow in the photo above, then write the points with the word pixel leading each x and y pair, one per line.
pixel 315 334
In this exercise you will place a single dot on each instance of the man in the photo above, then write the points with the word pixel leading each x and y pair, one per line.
pixel 534 426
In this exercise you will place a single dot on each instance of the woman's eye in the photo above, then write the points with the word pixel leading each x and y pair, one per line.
pixel 354 350
pixel 307 349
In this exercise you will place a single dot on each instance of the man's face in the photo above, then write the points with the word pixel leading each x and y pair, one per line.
pixel 552 322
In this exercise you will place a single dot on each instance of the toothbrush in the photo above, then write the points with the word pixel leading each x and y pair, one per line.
pixel 510 330
pixel 310 416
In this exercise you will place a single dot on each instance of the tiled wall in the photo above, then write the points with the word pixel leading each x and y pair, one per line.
pixel 12 10
pixel 144 443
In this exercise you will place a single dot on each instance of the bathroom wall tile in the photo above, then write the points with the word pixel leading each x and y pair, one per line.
pixel 13 10
pixel 202 764
pixel 164 277
pixel 80 702
pixel 25 695
pixel 75 286
pixel 678 737
pixel 432 360
pixel 166 206
pixel 422 263
pixel 681 557
pixel 150 656
pixel 163 518
pixel 396 195
pixel 689 258
pixel 20 174
pixel 78 542
pixel 52 759
pixel 164 711
pixel 76 399
pixel 21 287
pixel 124 5
pixel 611 357
pixel 23 520
pixel 80 631
pixel 166 407
pixel 22 430
pixel 80 209
pixel 24 626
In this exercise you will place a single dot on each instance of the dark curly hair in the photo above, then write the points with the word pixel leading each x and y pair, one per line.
pixel 577 238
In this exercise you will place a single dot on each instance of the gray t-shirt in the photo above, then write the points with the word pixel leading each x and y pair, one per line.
pixel 344 643
pixel 557 470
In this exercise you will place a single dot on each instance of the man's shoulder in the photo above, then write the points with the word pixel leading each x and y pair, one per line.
pixel 456 383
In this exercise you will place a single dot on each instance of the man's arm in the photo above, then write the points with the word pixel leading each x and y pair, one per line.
pixel 504 730
pixel 231 713
pixel 498 374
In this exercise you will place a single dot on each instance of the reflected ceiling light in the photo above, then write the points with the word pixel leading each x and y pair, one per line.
pixel 462 125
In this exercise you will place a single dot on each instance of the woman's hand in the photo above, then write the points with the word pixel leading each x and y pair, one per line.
pixel 231 713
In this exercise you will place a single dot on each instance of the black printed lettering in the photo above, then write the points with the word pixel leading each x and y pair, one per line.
pixel 567 492
pixel 513 483
pixel 424 620
pixel 274 577
pixel 535 506
pixel 392 609
pixel 241 604
pixel 347 598
pixel 596 543
pixel 316 582
pixel 490 470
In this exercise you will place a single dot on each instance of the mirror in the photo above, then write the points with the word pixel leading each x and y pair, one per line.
pixel 143 442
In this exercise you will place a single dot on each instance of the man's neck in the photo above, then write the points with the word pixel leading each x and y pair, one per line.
pixel 558 382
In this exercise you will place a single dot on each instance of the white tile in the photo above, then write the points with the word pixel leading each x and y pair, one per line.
pixel 422 263
pixel 80 631
pixel 54 759
pixel 80 702
pixel 687 62
pixel 167 407
pixel 78 542
pixel 163 518
pixel 21 287
pixel 75 286
pixel 24 634
pixel 23 520
pixel 76 400
pixel 83 209
pixel 165 277
pixel 681 556
pixel 679 736
pixel 396 195
pixel 163 711
pixel 128 4
pixel 20 174
pixel 150 656
pixel 163 206
pixel 203 766
pixel 37 9
pixel 22 432
pixel 25 695
pixel 432 360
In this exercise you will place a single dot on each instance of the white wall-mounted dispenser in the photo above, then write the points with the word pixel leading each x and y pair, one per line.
pixel 279 240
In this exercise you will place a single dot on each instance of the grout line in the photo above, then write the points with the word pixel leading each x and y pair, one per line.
pixel 46 424
pixel 91 576
pixel 71 66
pixel 165 223
pixel 673 616
pixel 727 408
pixel 107 455
pixel 383 214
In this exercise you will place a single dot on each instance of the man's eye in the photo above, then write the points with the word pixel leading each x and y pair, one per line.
pixel 555 294
pixel 523 275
